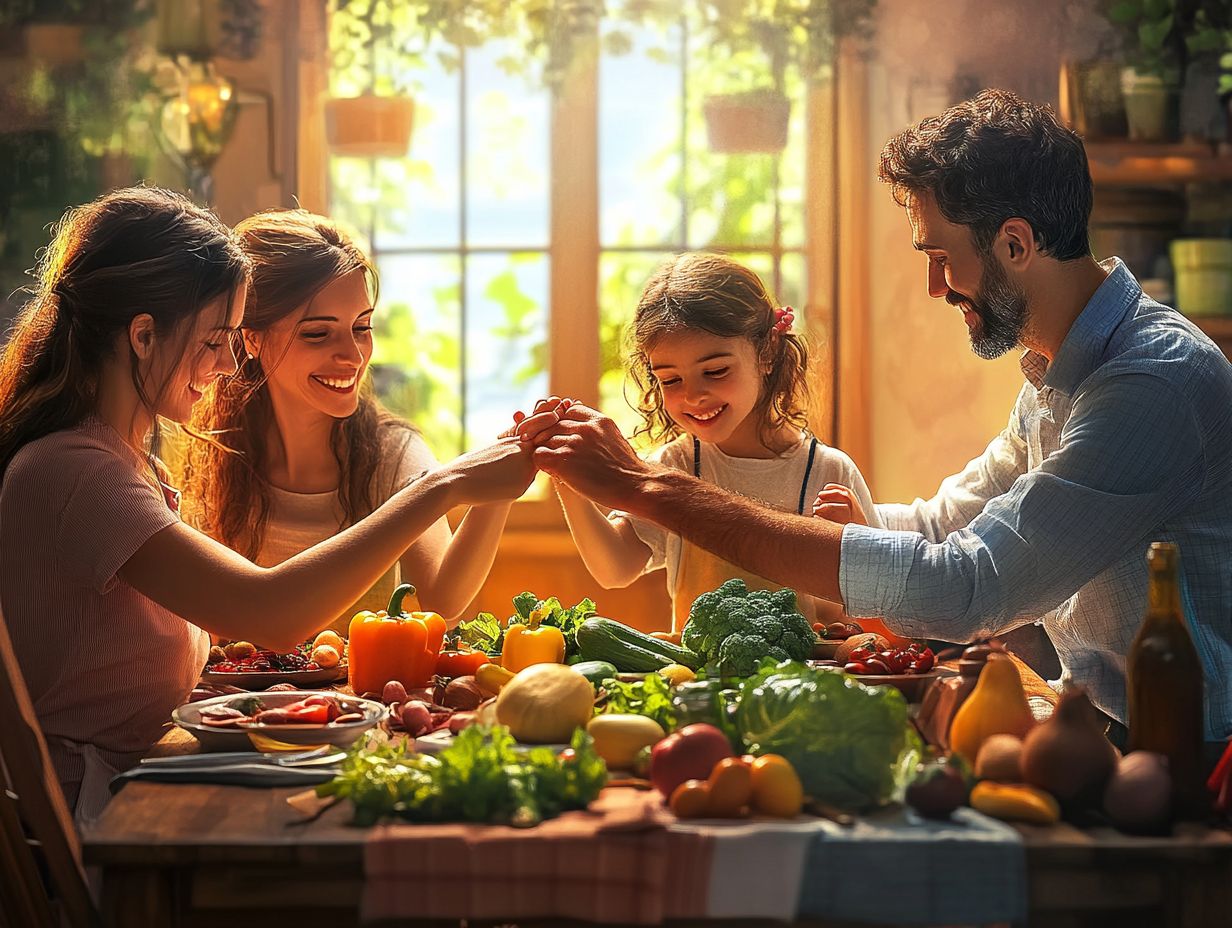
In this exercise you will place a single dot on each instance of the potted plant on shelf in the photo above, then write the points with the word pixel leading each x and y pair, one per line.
pixel 1205 31
pixel 1155 54
pixel 791 33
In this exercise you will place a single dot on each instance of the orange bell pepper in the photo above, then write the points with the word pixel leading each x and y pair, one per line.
pixel 393 645
pixel 532 643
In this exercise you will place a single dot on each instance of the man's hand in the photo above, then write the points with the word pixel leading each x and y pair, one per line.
pixel 838 504
pixel 586 451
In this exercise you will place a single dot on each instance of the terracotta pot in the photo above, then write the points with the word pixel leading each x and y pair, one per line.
pixel 739 123
pixel 369 126
pixel 56 45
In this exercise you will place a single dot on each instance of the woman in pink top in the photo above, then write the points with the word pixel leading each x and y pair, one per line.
pixel 106 592
pixel 303 446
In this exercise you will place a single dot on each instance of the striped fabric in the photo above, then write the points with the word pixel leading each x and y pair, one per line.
pixel 104 665
pixel 1125 439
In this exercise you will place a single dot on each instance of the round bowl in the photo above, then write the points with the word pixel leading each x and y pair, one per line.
pixel 911 685
pixel 188 717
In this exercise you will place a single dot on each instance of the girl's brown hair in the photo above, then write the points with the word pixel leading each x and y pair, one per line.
pixel 720 296
pixel 133 251
pixel 295 254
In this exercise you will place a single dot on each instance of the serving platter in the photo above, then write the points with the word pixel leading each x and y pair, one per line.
pixel 188 717
pixel 262 679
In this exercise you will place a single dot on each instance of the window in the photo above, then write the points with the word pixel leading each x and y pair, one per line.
pixel 514 240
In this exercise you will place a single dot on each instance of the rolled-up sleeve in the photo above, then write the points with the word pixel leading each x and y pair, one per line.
pixel 1131 456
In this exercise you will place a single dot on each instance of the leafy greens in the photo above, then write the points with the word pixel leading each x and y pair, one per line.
pixel 482 777
pixel 847 741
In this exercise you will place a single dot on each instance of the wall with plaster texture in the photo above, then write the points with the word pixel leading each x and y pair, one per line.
pixel 934 404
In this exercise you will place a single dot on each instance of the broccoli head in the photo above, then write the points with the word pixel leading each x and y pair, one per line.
pixel 737 627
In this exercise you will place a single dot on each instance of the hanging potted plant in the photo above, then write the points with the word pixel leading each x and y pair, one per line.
pixel 55 32
pixel 800 34
pixel 369 60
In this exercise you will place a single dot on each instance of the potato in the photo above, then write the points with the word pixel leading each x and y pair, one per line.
pixel 999 759
pixel 843 652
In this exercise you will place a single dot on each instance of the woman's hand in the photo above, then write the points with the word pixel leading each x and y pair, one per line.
pixel 838 504
pixel 544 417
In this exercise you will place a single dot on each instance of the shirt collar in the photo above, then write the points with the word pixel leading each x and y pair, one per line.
pixel 1088 336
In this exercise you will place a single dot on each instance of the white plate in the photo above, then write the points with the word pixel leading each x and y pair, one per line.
pixel 188 717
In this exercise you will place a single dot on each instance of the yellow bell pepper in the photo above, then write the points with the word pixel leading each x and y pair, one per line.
pixel 532 643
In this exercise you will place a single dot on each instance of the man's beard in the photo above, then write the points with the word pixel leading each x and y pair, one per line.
pixel 1002 310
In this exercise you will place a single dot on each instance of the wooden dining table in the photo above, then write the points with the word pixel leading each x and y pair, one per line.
pixel 231 856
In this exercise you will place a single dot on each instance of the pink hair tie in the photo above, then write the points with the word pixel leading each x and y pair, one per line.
pixel 783 318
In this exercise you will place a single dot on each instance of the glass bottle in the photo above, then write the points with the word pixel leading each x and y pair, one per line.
pixel 1165 682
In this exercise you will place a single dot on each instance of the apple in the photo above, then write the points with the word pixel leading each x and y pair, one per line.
pixel 688 754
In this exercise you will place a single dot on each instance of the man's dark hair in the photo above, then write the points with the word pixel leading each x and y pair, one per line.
pixel 992 158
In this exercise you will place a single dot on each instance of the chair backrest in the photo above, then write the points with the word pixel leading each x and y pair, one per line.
pixel 32 809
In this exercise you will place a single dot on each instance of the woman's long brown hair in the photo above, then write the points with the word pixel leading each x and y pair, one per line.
pixel 295 254
pixel 723 297
pixel 133 251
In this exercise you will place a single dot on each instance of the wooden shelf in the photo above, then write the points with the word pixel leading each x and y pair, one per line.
pixel 1219 328
pixel 1147 164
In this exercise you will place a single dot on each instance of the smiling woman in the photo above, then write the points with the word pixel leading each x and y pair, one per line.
pixel 303 447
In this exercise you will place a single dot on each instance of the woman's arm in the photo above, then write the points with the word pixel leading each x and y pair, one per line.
pixel 212 586
pixel 453 567
pixel 609 546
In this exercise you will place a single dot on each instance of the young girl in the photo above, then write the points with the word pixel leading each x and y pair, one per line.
pixel 107 594
pixel 722 381
pixel 303 446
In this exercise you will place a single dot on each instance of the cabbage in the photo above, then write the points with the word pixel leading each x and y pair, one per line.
pixel 848 742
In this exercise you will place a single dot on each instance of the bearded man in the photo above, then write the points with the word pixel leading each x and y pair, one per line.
pixel 1121 435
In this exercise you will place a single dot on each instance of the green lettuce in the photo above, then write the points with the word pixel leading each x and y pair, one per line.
pixel 848 742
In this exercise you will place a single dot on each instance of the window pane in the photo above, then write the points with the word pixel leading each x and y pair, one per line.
pixel 417 359
pixel 412 201
pixel 640 164
pixel 506 340
pixel 622 277
pixel 507 153
pixel 732 197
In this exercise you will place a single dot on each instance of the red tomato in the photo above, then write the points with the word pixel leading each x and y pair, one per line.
pixel 459 663
pixel 688 754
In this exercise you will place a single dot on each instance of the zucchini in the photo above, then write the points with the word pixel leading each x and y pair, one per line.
pixel 601 639
pixel 596 671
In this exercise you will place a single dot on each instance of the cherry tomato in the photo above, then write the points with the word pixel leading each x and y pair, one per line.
pixel 731 787
pixel 776 787
pixel 691 799
pixel 855 667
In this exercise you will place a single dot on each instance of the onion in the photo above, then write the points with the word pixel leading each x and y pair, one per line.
pixel 393 692
pixel 462 693
pixel 416 718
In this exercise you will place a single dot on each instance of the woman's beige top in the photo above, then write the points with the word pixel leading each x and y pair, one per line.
pixel 298 521
pixel 104 664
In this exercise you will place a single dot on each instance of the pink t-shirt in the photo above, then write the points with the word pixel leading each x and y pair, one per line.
pixel 104 665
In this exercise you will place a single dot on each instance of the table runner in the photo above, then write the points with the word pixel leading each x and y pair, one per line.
pixel 627 860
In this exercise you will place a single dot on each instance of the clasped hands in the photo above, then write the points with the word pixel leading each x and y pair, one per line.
pixel 584 449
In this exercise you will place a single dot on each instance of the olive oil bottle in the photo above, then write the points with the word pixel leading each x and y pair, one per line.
pixel 1165 682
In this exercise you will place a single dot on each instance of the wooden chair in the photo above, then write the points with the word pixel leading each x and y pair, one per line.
pixel 33 814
